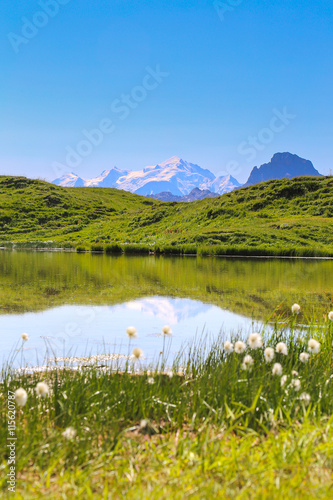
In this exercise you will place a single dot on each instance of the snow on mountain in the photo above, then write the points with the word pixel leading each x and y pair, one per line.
pixel 174 175
pixel 224 184
pixel 70 180
pixel 108 178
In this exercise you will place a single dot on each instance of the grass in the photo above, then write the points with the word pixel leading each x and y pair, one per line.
pixel 210 430
pixel 280 217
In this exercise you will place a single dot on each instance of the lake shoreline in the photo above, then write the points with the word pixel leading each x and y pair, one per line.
pixel 154 254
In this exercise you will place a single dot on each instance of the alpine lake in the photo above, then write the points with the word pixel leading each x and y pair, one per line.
pixel 77 306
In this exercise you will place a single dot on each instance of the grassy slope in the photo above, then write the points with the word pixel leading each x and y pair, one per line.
pixel 215 432
pixel 283 216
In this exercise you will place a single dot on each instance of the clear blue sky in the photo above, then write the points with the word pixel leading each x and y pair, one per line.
pixel 229 67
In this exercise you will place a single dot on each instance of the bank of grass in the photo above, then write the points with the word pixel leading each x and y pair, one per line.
pixel 288 217
pixel 212 429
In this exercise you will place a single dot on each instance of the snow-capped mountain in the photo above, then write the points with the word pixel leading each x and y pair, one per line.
pixel 174 175
pixel 224 184
pixel 70 180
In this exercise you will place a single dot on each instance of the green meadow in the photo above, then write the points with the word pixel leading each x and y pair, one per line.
pixel 280 217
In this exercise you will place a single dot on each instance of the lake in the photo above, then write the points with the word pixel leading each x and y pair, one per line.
pixel 81 304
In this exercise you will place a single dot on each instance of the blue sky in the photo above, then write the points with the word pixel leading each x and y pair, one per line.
pixel 227 69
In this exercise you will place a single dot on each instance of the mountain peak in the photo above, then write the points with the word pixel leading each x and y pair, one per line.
pixel 282 165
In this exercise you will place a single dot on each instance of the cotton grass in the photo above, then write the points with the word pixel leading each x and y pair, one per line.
pixel 228 347
pixel 42 389
pixel 304 357
pixel 240 347
pixel 295 309
pixel 21 397
pixel 25 337
pixel 137 353
pixel 314 346
pixel 277 369
pixel 131 332
pixel 281 348
pixel 69 433
pixel 247 362
pixel 255 341
pixel 269 354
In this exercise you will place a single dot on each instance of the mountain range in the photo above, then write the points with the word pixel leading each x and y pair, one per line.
pixel 179 180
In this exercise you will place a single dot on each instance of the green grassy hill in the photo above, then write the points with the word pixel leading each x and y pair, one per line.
pixel 280 217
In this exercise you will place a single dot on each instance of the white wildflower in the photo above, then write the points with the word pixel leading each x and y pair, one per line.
pixel 42 389
pixel 69 433
pixel 304 357
pixel 294 373
pixel 295 309
pixel 296 384
pixel 228 347
pixel 131 332
pixel 144 424
pixel 330 315
pixel 305 398
pixel 255 341
pixel 277 369
pixel 314 346
pixel 240 347
pixel 170 374
pixel 166 330
pixel 269 354
pixel 283 380
pixel 281 348
pixel 151 380
pixel 24 337
pixel 137 353
pixel 21 397
pixel 247 362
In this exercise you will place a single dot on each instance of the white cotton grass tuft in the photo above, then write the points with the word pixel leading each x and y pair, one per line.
pixel 277 369
pixel 255 341
pixel 166 330
pixel 269 354
pixel 314 346
pixel 170 374
pixel 137 353
pixel 281 348
pixel 294 373
pixel 330 315
pixel 296 384
pixel 24 337
pixel 69 433
pixel 21 397
pixel 151 380
pixel 247 362
pixel 42 389
pixel 295 309
pixel 304 357
pixel 228 347
pixel 305 398
pixel 240 347
pixel 131 332
pixel 283 380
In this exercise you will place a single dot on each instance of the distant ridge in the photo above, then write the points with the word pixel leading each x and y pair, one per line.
pixel 175 179
pixel 195 194
pixel 282 166
pixel 177 176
